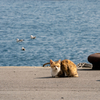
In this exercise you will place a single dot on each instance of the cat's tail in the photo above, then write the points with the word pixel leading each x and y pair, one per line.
pixel 46 64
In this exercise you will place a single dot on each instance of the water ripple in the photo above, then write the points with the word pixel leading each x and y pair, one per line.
pixel 66 29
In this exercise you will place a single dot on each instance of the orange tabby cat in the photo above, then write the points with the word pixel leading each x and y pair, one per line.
pixel 63 68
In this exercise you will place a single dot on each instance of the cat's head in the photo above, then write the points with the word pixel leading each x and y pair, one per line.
pixel 55 65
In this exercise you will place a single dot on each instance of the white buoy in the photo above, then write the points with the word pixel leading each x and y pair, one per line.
pixel 19 40
pixel 23 48
pixel 33 37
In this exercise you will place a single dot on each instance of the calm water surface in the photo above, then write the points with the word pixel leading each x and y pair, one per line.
pixel 64 29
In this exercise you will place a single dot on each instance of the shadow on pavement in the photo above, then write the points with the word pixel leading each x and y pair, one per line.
pixel 98 80
pixel 44 77
pixel 85 69
pixel 54 77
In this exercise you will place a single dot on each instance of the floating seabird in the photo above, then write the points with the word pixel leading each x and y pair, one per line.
pixel 23 48
pixel 33 37
pixel 19 40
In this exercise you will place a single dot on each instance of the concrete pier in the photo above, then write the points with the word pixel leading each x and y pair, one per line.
pixel 36 83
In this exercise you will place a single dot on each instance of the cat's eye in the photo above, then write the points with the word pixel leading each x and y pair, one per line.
pixel 56 66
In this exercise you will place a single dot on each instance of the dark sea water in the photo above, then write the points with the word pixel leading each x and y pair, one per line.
pixel 64 29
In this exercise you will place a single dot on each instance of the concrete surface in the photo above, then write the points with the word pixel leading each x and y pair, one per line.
pixel 35 83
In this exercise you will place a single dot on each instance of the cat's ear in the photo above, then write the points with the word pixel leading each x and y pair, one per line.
pixel 51 61
pixel 59 61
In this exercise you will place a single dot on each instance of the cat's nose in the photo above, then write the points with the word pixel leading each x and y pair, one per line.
pixel 55 68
